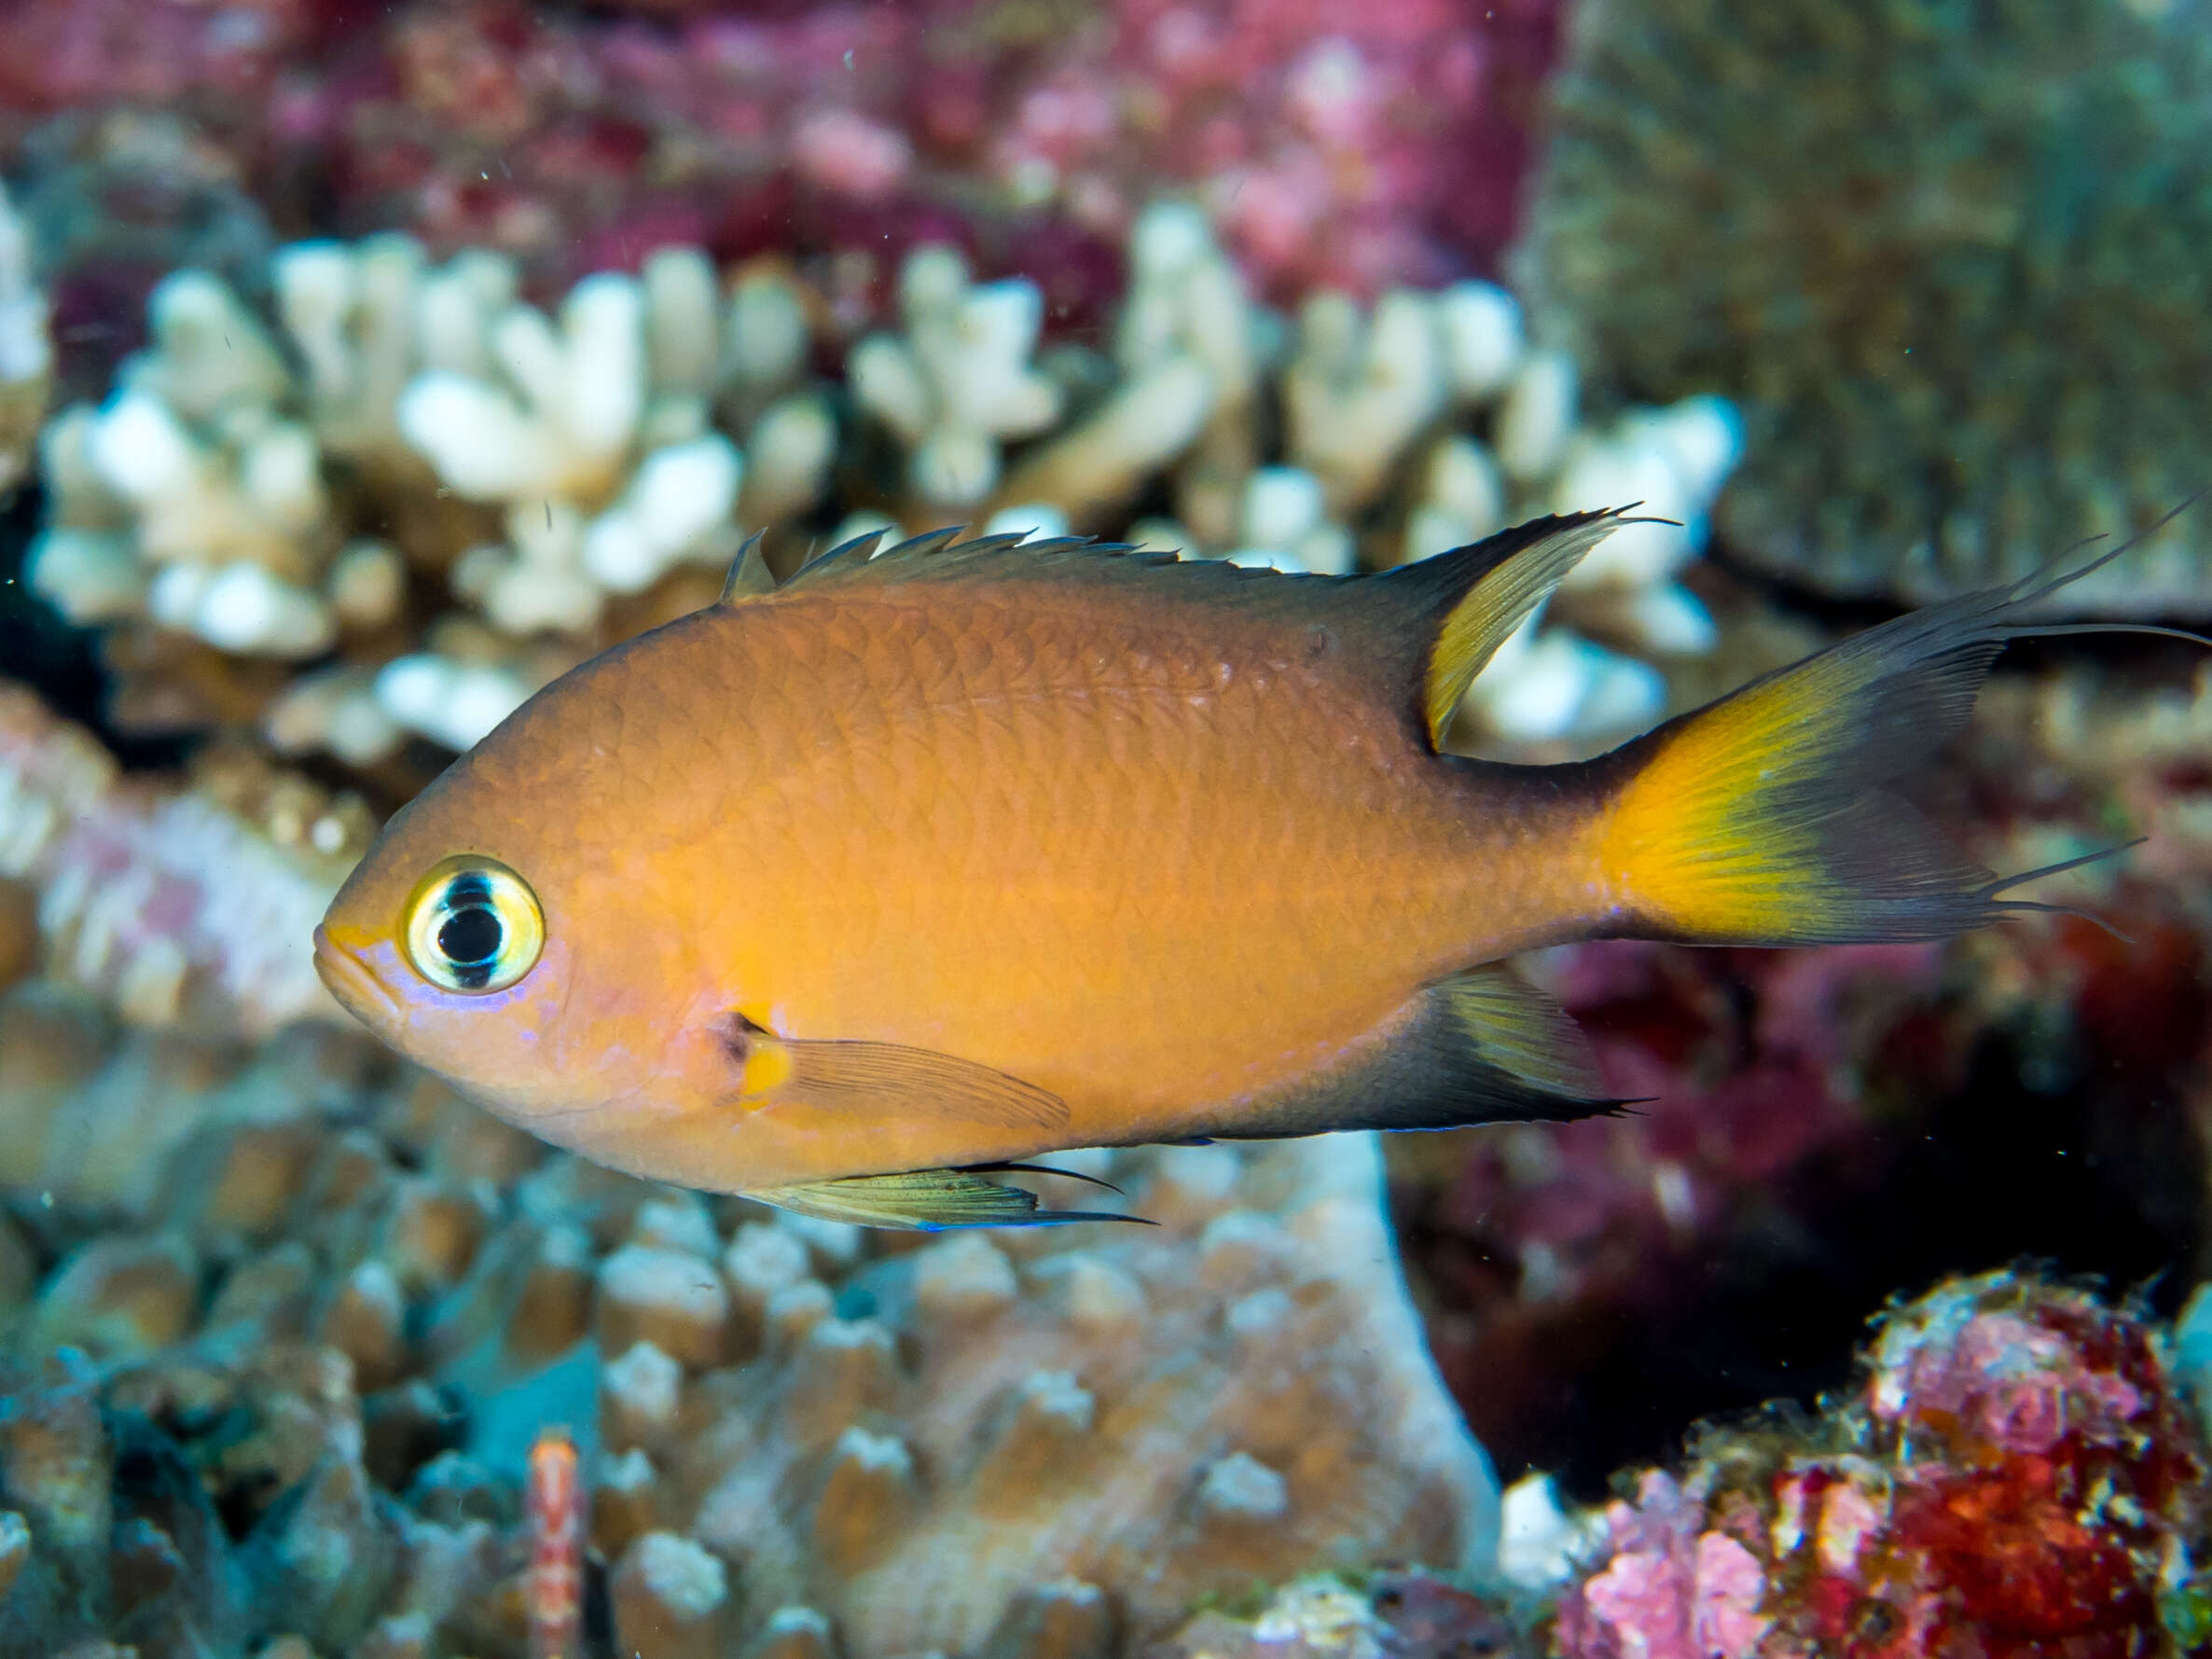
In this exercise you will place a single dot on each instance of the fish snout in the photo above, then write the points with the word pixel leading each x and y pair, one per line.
pixel 353 983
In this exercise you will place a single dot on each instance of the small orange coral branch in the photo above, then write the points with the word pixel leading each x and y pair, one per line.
pixel 553 1510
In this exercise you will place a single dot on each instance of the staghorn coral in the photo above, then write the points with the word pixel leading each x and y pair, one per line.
pixel 1947 257
pixel 349 1302
pixel 2014 1475
pixel 188 905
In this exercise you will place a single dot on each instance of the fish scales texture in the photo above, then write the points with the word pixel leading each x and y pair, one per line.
pixel 955 857
pixel 1193 859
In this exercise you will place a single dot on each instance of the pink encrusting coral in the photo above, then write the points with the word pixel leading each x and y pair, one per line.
pixel 2014 1475
pixel 184 906
pixel 1355 145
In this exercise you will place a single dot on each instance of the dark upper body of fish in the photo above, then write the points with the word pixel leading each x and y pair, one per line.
pixel 958 855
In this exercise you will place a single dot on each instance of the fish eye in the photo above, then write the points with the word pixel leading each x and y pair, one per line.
pixel 474 925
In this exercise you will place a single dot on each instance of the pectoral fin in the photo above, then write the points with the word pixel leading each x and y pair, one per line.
pixel 885 1078
pixel 926 1201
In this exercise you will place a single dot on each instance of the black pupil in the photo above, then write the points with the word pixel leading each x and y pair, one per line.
pixel 472 933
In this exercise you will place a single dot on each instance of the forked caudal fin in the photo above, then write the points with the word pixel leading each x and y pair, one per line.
pixel 1764 818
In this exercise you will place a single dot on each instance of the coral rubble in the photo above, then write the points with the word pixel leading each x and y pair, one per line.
pixel 1946 258
pixel 2015 1474
pixel 347 1303
pixel 1396 1616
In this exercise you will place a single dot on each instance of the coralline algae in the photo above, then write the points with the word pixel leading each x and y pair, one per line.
pixel 2016 1475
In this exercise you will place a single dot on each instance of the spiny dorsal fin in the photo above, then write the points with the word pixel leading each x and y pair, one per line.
pixel 749 576
pixel 859 550
pixel 1487 589
pixel 938 552
pixel 928 1201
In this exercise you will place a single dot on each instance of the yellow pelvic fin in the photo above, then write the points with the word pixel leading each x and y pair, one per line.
pixel 1499 583
pixel 1766 817
pixel 925 1201
pixel 882 1081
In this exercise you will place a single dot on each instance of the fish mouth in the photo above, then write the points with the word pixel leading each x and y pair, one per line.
pixel 354 983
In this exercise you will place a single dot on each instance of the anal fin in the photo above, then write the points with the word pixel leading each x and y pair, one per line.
pixel 1483 1047
pixel 927 1201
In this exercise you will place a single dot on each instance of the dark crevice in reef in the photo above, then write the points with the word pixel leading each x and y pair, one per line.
pixel 2065 1137
pixel 61 663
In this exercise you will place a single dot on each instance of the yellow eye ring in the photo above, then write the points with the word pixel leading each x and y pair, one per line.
pixel 474 926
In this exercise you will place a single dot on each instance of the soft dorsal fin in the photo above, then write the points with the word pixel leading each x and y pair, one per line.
pixel 1481 592
pixel 749 576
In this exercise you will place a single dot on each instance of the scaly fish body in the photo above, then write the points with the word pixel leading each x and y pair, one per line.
pixel 965 856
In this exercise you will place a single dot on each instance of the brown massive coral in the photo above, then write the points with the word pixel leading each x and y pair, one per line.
pixel 301 1312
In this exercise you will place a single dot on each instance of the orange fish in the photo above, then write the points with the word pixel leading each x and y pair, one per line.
pixel 848 894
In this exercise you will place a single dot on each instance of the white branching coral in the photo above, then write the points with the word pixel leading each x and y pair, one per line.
pixel 595 437
pixel 957 381
pixel 435 497
pixel 26 350
pixel 190 495
pixel 274 493
pixel 366 318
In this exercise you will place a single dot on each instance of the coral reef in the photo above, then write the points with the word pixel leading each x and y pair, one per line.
pixel 1397 1616
pixel 1944 256
pixel 2015 1474
pixel 26 350
pixel 395 508
pixel 224 505
pixel 346 1303
pixel 184 906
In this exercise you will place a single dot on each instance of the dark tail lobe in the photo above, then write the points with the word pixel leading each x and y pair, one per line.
pixel 1767 818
